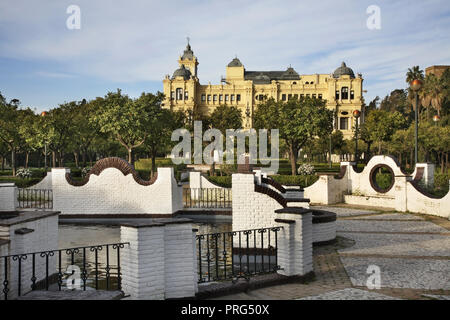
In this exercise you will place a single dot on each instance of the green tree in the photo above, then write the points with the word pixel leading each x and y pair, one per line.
pixel 10 122
pixel 223 118
pixel 297 120
pixel 125 119
pixel 380 125
pixel 159 125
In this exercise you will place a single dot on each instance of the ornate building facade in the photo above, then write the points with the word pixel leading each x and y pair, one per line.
pixel 341 89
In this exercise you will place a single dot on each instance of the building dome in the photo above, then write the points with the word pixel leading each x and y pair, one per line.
pixel 235 63
pixel 182 72
pixel 188 54
pixel 343 70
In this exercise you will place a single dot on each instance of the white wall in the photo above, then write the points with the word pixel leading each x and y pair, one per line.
pixel 45 183
pixel 8 197
pixel 43 237
pixel 111 192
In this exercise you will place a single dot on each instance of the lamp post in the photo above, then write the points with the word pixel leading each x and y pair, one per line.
pixel 415 87
pixel 356 114
pixel 43 114
pixel 436 119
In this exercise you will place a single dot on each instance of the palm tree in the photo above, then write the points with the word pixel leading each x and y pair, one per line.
pixel 435 92
pixel 414 73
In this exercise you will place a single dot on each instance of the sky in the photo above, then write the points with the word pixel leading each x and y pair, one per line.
pixel 133 44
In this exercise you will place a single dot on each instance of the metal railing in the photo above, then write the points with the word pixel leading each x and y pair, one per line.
pixel 237 254
pixel 35 198
pixel 207 197
pixel 59 269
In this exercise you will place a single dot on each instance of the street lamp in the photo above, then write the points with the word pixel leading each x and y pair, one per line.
pixel 356 114
pixel 415 86
pixel 43 114
pixel 436 119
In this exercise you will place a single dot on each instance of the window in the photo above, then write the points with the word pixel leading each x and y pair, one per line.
pixel 352 95
pixel 320 96
pixel 220 97
pixel 343 123
pixel 344 91
pixel 172 95
pixel 306 82
pixel 209 98
pixel 215 97
pixel 289 96
pixel 238 97
pixel 179 94
pixel 186 95
pixel 226 97
pixel 232 97
pixel 302 96
pixel 283 97
pixel 312 82
pixel 295 96
pixel 337 94
pixel 314 96
pixel 308 95
pixel 260 97
pixel 203 97
pixel 294 82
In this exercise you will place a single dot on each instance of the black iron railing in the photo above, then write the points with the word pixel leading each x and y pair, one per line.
pixel 207 197
pixel 95 266
pixel 35 198
pixel 237 254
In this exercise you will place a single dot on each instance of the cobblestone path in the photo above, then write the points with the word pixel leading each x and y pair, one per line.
pixel 412 253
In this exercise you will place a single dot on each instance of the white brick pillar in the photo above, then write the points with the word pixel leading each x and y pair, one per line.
pixel 195 180
pixel 160 262
pixel 401 193
pixel 8 197
pixel 295 241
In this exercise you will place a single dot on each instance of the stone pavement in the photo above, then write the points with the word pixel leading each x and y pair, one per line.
pixel 412 253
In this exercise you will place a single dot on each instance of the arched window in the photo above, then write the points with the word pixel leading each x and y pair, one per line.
pixel 306 82
pixel 344 92
pixel 179 94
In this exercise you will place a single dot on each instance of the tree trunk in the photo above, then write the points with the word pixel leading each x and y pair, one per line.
pixel 153 165
pixel 83 156
pixel 75 155
pixel 293 159
pixel 130 156
pixel 27 158
pixel 53 159
pixel 3 163
pixel 13 162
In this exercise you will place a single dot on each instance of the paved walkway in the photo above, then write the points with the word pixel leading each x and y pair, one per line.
pixel 411 252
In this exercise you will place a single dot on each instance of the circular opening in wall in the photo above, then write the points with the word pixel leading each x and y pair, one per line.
pixel 382 178
pixel 344 112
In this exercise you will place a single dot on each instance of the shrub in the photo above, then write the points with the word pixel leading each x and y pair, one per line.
pixel 85 171
pixel 223 181
pixel 24 173
pixel 303 181
pixel 305 169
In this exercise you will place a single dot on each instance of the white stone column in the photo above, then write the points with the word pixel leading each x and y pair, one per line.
pixel 8 197
pixel 295 241
pixel 401 193
pixel 160 262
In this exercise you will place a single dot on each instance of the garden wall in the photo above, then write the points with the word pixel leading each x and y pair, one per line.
pixel 113 187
